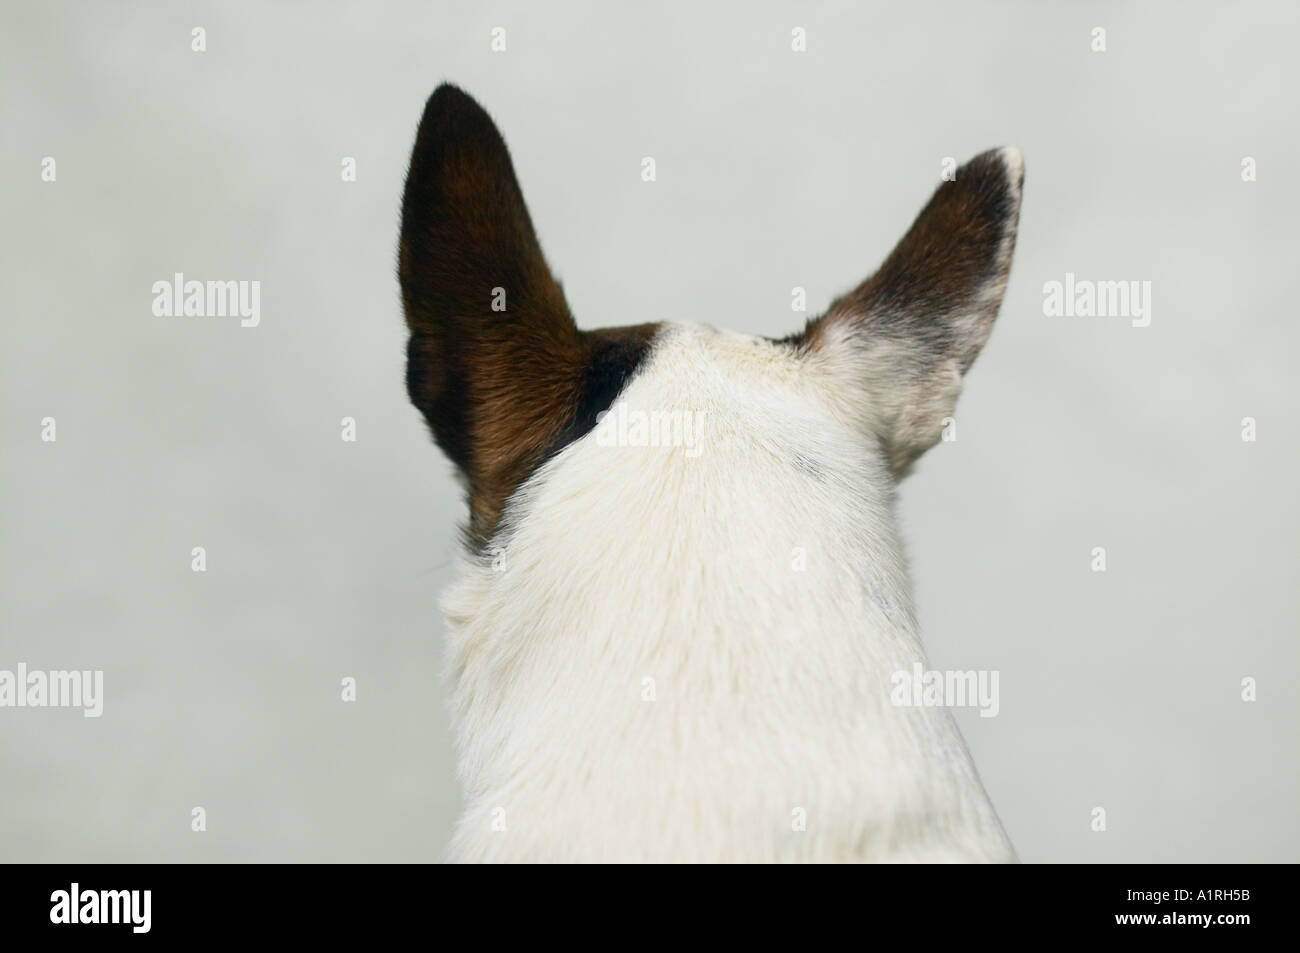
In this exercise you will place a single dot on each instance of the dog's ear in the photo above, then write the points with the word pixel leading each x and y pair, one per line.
pixel 908 334
pixel 494 362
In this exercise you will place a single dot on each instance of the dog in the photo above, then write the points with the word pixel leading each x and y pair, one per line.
pixel 671 637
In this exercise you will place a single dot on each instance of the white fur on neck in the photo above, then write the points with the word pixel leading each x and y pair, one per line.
pixel 771 686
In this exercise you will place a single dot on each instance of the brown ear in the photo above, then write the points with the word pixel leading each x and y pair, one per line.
pixel 495 362
pixel 919 322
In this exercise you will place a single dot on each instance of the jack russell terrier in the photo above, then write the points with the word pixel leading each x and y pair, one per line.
pixel 673 637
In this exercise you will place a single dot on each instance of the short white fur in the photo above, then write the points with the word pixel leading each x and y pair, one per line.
pixel 626 573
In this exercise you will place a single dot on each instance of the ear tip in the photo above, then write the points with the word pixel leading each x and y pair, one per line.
pixel 1005 162
pixel 449 92
pixel 1014 162
pixel 449 100
pixel 1012 165
pixel 999 176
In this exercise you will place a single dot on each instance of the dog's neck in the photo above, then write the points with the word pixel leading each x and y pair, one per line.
pixel 687 664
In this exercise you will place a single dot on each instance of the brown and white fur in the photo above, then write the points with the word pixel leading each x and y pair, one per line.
pixel 684 653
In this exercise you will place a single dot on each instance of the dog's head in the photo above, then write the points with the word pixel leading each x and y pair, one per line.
pixel 506 380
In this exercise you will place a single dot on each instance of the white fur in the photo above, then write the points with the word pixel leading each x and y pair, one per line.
pixel 771 685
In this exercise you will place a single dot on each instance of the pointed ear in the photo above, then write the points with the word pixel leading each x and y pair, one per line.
pixel 908 333
pixel 489 382
pixel 494 362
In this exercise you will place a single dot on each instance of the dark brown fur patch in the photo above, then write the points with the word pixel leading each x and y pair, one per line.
pixel 501 390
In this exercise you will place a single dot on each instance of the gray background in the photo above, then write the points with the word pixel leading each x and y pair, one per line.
pixel 776 169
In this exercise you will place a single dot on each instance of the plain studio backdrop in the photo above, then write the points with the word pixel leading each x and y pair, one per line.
pixel 776 169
